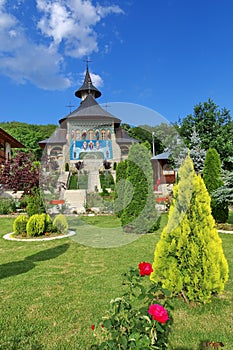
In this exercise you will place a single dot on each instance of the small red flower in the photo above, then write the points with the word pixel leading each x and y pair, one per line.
pixel 145 268
pixel 159 313
pixel 93 327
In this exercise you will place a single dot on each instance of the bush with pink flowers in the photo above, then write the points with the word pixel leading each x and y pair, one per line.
pixel 139 319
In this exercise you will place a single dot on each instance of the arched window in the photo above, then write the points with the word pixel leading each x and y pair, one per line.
pixel 124 150
pixel 56 151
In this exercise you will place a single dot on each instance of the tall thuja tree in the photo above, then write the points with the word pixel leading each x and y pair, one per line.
pixel 120 187
pixel 197 153
pixel 139 214
pixel 212 176
pixel 189 258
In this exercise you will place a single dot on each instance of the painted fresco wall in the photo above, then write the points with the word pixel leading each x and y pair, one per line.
pixel 93 149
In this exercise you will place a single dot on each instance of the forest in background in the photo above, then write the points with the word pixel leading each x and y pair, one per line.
pixel 29 134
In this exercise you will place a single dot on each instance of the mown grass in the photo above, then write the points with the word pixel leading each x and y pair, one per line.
pixel 52 292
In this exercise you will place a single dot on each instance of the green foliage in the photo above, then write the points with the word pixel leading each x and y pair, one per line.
pixel 213 125
pixel 73 182
pixel 106 180
pixel 212 173
pixel 19 225
pixel 48 223
pixel 82 181
pixel 189 258
pixel 7 206
pixel 197 154
pixel 67 167
pixel 224 194
pixel 128 325
pixel 139 213
pixel 29 134
pixel 212 176
pixel 36 225
pixel 144 134
pixel 35 204
pixel 60 223
pixel 120 187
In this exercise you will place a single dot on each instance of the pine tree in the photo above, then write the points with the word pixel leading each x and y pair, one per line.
pixel 224 194
pixel 197 153
pixel 212 176
pixel 139 214
pixel 189 258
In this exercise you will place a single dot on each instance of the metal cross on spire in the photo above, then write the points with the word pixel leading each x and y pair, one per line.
pixel 87 61
pixel 70 106
pixel 106 106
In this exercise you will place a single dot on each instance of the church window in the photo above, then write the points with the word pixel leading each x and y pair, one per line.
pixel 56 151
pixel 124 150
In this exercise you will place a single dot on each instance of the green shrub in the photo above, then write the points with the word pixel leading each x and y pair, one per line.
pixel 106 180
pixel 36 225
pixel 19 225
pixel 73 182
pixel 82 181
pixel 60 224
pixel 48 224
pixel 189 259
pixel 7 206
pixel 35 203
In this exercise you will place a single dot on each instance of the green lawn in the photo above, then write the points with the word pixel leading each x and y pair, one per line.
pixel 52 292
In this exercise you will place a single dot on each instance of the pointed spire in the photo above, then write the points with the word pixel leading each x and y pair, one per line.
pixel 87 87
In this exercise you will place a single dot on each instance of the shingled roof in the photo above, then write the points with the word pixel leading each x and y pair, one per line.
pixel 87 87
pixel 89 108
pixel 58 137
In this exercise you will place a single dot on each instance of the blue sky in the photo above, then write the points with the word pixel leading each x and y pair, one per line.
pixel 166 55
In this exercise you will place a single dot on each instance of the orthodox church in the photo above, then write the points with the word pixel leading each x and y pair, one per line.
pixel 89 132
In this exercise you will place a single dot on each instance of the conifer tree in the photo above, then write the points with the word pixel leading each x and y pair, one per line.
pixel 189 258
pixel 197 153
pixel 139 214
pixel 120 187
pixel 212 176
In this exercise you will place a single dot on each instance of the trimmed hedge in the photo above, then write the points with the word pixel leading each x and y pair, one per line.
pixel 20 224
pixel 60 224
pixel 36 225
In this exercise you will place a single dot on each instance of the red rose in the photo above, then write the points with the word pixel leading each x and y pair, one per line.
pixel 145 268
pixel 159 313
pixel 93 327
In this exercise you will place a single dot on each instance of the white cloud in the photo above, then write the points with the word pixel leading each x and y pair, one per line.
pixel 38 55
pixel 73 22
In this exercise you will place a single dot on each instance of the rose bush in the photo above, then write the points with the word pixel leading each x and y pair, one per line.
pixel 158 313
pixel 137 320
pixel 145 268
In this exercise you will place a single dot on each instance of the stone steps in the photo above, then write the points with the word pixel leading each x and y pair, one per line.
pixel 75 200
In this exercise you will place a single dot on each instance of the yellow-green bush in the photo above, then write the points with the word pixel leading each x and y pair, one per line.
pixel 48 224
pixel 189 257
pixel 19 225
pixel 60 224
pixel 36 225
